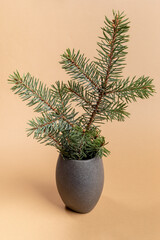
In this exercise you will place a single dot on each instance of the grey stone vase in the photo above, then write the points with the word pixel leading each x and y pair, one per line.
pixel 80 183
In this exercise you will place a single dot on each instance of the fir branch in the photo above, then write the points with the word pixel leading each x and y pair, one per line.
pixel 47 130
pixel 115 111
pixel 80 95
pixel 113 47
pixel 131 90
pixel 41 125
pixel 27 87
pixel 114 51
pixel 54 140
pixel 59 91
pixel 78 67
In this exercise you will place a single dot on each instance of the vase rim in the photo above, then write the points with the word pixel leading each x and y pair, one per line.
pixel 83 160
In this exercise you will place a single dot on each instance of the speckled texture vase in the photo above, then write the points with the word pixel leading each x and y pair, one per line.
pixel 80 182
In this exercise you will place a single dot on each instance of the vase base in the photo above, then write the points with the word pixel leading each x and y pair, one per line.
pixel 71 210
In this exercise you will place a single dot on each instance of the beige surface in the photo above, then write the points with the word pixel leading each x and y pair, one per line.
pixel 33 34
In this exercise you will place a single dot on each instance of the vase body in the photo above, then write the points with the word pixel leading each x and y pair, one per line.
pixel 80 182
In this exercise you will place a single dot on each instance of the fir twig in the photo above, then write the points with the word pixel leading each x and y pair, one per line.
pixel 114 51
pixel 131 90
pixel 28 87
pixel 79 68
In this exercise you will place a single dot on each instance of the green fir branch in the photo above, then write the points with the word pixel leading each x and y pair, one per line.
pixel 131 90
pixel 111 55
pixel 37 94
pixel 79 68
pixel 115 111
pixel 47 130
pixel 113 47
pixel 41 125
pixel 80 95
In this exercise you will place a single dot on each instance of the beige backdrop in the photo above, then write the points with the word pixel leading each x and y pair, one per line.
pixel 33 35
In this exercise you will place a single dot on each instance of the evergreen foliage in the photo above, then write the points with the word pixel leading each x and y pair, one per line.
pixel 96 86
